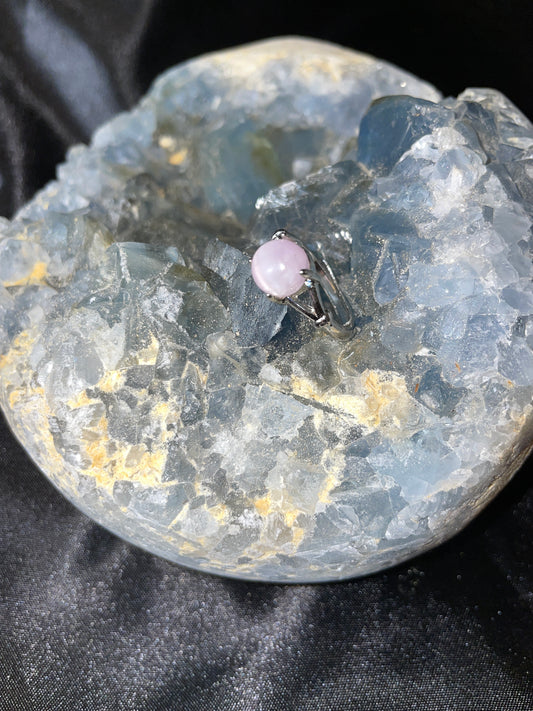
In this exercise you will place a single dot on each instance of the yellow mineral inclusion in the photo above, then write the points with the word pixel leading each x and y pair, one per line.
pixel 81 400
pixel 28 404
pixel 333 461
pixel 219 513
pixel 36 276
pixel 167 142
pixel 324 495
pixel 379 397
pixel 31 406
pixel 297 536
pixel 112 460
pixel 15 396
pixel 178 157
pixel 274 504
pixel 96 442
pixel 111 381
pixel 276 501
pixel 187 547
pixel 291 516
pixel 162 409
pixel 109 460
pixel 21 346
pixel 148 355
pixel 263 505
pixel 164 413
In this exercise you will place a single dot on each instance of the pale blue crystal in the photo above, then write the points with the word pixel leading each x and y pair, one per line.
pixel 170 400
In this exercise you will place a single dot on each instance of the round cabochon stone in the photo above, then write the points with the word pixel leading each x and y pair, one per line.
pixel 276 267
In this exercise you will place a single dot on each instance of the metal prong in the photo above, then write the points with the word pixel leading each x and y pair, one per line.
pixel 330 308
pixel 304 310
pixel 276 299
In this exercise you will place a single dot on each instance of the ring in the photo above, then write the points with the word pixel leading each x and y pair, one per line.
pixel 284 268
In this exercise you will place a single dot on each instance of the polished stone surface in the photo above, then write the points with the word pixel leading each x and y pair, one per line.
pixel 276 267
pixel 169 399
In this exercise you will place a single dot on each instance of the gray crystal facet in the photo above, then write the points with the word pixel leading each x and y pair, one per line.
pixel 170 400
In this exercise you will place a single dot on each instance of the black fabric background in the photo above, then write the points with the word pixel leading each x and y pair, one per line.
pixel 88 622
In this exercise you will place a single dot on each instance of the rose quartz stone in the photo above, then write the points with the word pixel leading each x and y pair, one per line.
pixel 276 267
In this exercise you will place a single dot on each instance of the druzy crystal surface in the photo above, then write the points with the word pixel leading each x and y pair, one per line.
pixel 170 400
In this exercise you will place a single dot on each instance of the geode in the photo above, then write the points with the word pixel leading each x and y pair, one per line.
pixel 171 401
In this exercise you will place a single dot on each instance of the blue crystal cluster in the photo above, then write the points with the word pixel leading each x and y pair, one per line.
pixel 170 400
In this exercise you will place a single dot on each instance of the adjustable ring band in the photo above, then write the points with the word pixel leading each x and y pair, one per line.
pixel 284 268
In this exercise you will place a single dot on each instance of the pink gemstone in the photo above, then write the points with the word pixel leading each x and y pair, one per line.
pixel 276 267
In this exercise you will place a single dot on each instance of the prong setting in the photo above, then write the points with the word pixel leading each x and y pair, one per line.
pixel 300 270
